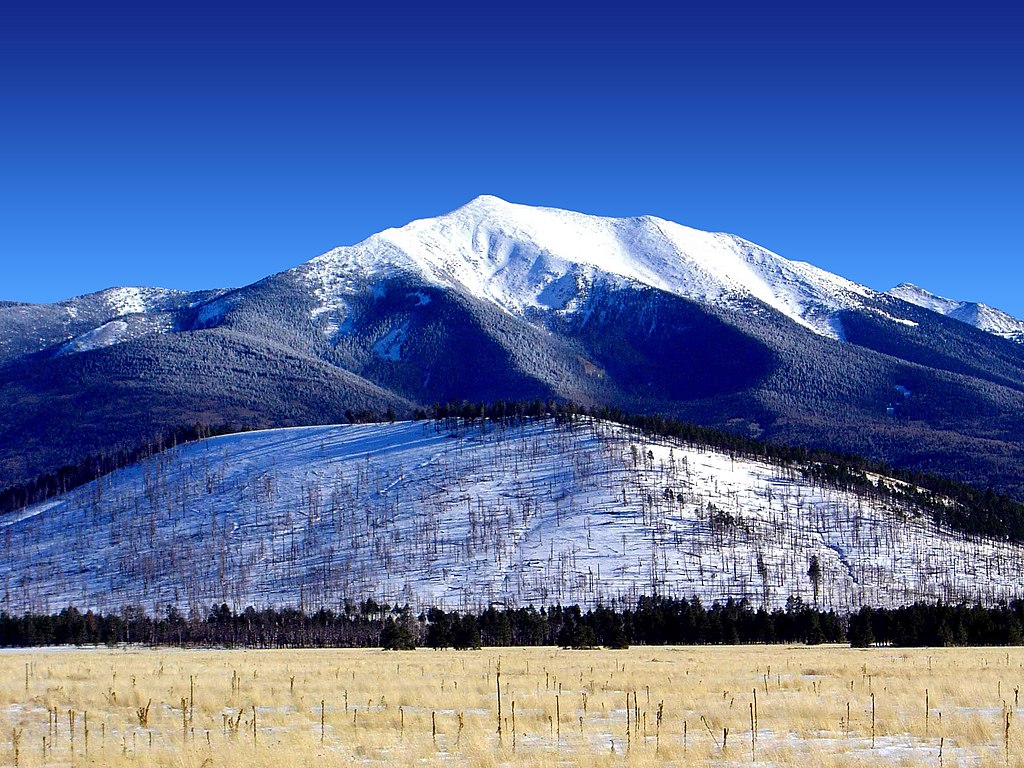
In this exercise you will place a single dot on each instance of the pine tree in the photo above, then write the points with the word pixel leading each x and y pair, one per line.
pixel 396 636
pixel 814 573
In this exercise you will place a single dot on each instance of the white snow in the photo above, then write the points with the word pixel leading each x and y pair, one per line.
pixel 106 335
pixel 119 331
pixel 521 257
pixel 212 312
pixel 389 346
pixel 989 319
pixel 981 316
pixel 922 298
pixel 135 300
pixel 139 312
pixel 421 298
pixel 532 514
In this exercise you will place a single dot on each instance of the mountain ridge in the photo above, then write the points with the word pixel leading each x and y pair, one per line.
pixel 805 293
pixel 499 301
pixel 976 314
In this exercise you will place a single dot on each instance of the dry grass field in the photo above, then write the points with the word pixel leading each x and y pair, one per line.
pixel 822 706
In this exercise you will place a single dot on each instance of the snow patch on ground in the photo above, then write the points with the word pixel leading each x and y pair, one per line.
pixel 106 335
pixel 989 319
pixel 135 300
pixel 212 312
pixel 118 332
pixel 389 347
pixel 125 301
pixel 922 298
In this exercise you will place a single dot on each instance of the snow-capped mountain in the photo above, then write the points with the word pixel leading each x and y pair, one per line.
pixel 497 300
pixel 525 259
pixel 980 316
pixel 528 513
pixel 92 321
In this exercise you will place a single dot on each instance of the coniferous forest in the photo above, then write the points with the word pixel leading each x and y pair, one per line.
pixel 653 621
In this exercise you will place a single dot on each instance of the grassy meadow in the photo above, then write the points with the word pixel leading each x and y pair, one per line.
pixel 724 705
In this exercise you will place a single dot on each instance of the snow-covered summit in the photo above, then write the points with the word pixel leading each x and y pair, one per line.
pixel 922 298
pixel 981 316
pixel 522 257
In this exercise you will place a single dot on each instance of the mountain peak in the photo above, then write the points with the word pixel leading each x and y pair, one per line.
pixel 485 202
pixel 909 288
pixel 980 316
pixel 526 258
pixel 922 298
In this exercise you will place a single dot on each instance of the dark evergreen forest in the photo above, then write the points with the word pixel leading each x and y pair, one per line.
pixel 653 621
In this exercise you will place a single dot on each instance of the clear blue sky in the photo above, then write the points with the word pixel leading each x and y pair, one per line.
pixel 204 145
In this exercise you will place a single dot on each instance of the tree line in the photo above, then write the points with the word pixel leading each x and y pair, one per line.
pixel 72 476
pixel 652 621
pixel 938 625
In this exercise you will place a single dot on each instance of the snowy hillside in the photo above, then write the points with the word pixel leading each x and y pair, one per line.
pixel 94 320
pixel 528 258
pixel 981 316
pixel 539 513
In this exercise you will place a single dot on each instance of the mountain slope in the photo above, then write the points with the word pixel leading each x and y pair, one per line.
pixel 92 321
pixel 980 316
pixel 533 513
pixel 503 301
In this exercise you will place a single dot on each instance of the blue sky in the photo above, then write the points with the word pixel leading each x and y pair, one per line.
pixel 196 146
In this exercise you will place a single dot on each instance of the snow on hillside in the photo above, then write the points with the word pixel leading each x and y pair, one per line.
pixel 118 331
pixel 132 300
pixel 989 319
pixel 538 513
pixel 981 316
pixel 522 257
pixel 922 298
pixel 106 335
pixel 96 320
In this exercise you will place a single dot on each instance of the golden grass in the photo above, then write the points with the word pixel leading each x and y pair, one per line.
pixel 196 709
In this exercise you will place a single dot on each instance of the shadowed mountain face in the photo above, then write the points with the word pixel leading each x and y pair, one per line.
pixel 502 301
